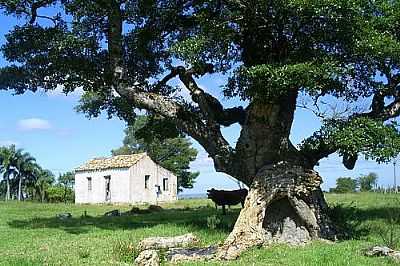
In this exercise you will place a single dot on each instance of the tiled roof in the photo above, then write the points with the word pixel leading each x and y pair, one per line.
pixel 119 161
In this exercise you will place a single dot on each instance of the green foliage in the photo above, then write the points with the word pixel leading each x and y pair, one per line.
pixel 389 231
pixel 213 222
pixel 268 82
pixel 345 185
pixel 18 169
pixel 368 182
pixel 373 138
pixel 266 48
pixel 173 153
pixel 125 251
pixel 67 179
pixel 59 193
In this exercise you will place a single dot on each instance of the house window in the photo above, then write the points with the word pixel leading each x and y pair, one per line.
pixel 165 184
pixel 89 184
pixel 108 189
pixel 146 181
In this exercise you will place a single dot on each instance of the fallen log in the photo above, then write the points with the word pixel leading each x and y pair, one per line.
pixel 167 242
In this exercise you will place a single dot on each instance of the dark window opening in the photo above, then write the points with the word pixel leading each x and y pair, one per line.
pixel 89 187
pixel 89 183
pixel 108 189
pixel 165 184
pixel 146 181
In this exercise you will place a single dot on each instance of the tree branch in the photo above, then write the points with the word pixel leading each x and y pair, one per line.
pixel 208 104
pixel 323 147
pixel 186 120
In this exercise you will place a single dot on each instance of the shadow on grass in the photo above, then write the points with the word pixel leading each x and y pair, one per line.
pixel 195 218
pixel 352 222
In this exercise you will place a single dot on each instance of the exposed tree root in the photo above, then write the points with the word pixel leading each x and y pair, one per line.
pixel 286 205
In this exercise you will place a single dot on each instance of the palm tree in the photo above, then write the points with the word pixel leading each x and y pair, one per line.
pixel 25 165
pixel 44 178
pixel 8 162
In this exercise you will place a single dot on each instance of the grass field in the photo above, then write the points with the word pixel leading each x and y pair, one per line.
pixel 31 235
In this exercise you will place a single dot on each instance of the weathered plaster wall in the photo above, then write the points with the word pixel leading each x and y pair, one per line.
pixel 119 186
pixel 141 194
pixel 127 185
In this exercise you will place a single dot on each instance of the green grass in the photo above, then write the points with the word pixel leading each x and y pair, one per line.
pixel 30 234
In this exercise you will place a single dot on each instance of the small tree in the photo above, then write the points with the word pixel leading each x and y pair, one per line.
pixel 67 181
pixel 150 134
pixel 345 185
pixel 45 178
pixel 367 182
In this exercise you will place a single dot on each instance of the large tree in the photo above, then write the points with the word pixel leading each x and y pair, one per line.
pixel 125 54
pixel 174 153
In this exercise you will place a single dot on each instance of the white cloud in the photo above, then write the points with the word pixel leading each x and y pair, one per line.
pixel 33 124
pixel 202 161
pixel 8 143
pixel 58 92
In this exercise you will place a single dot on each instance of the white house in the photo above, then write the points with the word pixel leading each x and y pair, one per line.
pixel 124 179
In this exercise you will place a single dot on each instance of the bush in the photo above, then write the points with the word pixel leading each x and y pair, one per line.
pixel 213 222
pixel 60 194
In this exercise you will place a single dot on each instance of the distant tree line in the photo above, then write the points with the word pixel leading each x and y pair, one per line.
pixel 363 183
pixel 24 179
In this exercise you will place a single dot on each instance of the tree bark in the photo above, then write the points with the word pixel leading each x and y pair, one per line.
pixel 8 189
pixel 285 205
pixel 19 188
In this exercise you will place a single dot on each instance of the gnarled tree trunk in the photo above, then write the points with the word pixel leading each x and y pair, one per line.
pixel 285 204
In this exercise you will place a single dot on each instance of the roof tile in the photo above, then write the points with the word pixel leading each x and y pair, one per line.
pixel 119 161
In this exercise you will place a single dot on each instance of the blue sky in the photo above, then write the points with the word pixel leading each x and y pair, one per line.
pixel 46 125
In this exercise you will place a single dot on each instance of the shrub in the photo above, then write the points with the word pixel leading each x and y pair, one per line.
pixel 213 222
pixel 60 194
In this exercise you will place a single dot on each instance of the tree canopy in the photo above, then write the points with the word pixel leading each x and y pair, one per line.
pixel 123 54
pixel 174 153
pixel 368 182
pixel 345 185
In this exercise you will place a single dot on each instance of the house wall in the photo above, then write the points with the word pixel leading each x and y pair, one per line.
pixel 119 186
pixel 127 185
pixel 140 194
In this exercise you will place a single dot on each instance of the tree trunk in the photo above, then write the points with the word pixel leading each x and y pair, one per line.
pixel 285 205
pixel 19 188
pixel 8 189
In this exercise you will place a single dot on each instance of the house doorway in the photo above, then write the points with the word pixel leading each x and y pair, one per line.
pixel 108 188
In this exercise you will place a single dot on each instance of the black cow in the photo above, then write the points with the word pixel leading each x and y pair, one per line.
pixel 227 197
